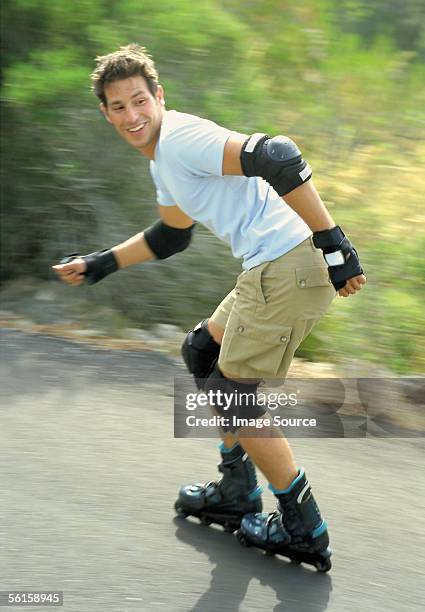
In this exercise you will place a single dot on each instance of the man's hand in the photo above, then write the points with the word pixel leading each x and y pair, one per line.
pixel 72 272
pixel 345 271
pixel 353 285
pixel 76 268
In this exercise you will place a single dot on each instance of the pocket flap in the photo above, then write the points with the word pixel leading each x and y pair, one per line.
pixel 258 350
pixel 276 335
pixel 312 276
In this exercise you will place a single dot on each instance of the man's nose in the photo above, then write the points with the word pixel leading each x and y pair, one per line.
pixel 131 115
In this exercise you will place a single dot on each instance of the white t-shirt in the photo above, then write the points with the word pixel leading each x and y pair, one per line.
pixel 244 212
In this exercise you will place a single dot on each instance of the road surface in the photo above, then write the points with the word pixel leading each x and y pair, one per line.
pixel 89 472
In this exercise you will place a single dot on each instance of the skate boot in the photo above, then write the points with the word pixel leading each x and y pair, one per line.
pixel 225 501
pixel 296 530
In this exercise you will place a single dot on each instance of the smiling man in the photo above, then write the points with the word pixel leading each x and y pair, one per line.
pixel 256 194
pixel 135 110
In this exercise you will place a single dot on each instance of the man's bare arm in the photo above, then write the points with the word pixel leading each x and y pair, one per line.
pixel 136 250
pixel 174 216
pixel 304 200
pixel 133 251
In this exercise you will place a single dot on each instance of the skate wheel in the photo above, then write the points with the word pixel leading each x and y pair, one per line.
pixel 269 553
pixel 180 511
pixel 323 565
pixel 205 520
pixel 242 539
pixel 295 561
pixel 229 528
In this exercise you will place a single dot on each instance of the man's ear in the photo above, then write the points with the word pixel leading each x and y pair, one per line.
pixel 104 110
pixel 160 95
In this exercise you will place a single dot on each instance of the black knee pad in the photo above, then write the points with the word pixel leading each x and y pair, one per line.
pixel 233 399
pixel 200 352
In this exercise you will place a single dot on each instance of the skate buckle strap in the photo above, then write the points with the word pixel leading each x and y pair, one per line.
pixel 211 489
pixel 307 488
pixel 257 492
pixel 269 522
pixel 274 519
pixel 319 530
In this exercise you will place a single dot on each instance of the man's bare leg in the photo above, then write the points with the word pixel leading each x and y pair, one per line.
pixel 271 452
pixel 217 332
pixel 236 494
pixel 272 455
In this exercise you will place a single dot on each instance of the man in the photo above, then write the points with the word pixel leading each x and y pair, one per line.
pixel 294 258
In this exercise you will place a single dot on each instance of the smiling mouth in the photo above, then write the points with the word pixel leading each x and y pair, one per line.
pixel 138 128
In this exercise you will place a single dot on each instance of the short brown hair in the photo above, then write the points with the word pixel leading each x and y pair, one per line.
pixel 128 61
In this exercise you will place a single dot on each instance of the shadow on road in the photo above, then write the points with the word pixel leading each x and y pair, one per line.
pixel 297 588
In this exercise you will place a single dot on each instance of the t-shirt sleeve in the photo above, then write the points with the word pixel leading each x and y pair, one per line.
pixel 197 148
pixel 163 196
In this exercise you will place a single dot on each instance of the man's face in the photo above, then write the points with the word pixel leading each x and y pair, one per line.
pixel 135 113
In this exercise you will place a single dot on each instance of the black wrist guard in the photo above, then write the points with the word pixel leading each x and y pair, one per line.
pixel 164 240
pixel 99 264
pixel 339 254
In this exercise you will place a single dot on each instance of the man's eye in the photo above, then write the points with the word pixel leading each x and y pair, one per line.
pixel 141 101
pixel 118 108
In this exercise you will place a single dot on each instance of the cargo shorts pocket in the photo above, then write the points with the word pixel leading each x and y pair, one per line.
pixel 314 292
pixel 254 351
pixel 312 276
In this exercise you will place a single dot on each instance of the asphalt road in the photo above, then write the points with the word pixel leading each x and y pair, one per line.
pixel 89 472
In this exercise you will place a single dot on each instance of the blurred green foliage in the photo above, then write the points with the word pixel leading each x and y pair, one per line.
pixel 345 78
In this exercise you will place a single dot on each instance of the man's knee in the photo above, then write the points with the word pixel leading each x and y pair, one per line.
pixel 200 352
pixel 216 331
pixel 233 399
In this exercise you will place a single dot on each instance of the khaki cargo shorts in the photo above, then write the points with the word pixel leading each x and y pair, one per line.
pixel 272 308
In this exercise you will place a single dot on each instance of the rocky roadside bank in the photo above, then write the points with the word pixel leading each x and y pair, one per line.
pixel 392 402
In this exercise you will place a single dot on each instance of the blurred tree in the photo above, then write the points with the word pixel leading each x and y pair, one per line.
pixel 343 77
pixel 403 21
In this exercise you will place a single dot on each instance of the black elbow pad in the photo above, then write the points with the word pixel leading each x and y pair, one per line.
pixel 164 240
pixel 277 160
